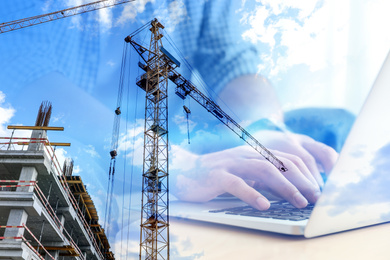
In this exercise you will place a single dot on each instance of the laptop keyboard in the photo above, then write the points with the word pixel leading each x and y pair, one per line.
pixel 278 210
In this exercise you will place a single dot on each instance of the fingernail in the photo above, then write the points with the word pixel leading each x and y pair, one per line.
pixel 300 201
pixel 262 203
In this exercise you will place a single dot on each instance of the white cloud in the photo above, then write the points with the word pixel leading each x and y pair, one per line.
pixel 76 20
pixel 363 199
pixel 305 7
pixel 132 142
pixel 58 118
pixel 345 40
pixel 103 16
pixel 46 6
pixel 182 160
pixel 90 149
pixel 61 155
pixel 181 122
pixel 6 113
pixel 177 13
pixel 110 63
pixel 304 38
pixel 76 169
pixel 334 47
pixel 98 200
pixel 131 10
pixel 170 15
pixel 259 31
pixel 127 239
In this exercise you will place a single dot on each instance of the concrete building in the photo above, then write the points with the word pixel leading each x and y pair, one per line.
pixel 45 212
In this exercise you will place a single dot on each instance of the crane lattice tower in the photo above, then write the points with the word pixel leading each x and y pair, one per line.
pixel 154 235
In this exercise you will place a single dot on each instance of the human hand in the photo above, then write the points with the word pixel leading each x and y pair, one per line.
pixel 317 156
pixel 240 171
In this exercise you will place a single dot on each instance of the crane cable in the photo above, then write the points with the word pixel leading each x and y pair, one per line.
pixel 114 142
pixel 115 133
pixel 125 148
pixel 140 29
pixel 187 112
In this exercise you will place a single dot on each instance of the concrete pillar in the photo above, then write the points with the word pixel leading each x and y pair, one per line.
pixel 28 173
pixel 62 220
pixel 16 217
pixel 37 146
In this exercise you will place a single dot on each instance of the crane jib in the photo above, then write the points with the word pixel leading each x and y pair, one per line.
pixel 185 88
pixel 44 18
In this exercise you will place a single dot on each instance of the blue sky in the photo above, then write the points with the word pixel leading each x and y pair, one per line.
pixel 316 53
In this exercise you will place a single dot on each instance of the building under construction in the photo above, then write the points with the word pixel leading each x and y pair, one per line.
pixel 45 212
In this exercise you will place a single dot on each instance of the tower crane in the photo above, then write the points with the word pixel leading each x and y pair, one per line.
pixel 44 18
pixel 160 66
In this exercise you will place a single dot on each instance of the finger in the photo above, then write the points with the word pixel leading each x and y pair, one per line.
pixel 295 147
pixel 301 175
pixel 310 163
pixel 308 189
pixel 298 162
pixel 238 187
pixel 324 154
pixel 265 172
pixel 250 183
pixel 313 176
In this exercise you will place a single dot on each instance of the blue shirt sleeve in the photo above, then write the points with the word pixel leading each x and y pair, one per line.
pixel 211 39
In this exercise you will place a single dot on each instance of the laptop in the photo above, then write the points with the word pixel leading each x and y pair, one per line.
pixel 356 194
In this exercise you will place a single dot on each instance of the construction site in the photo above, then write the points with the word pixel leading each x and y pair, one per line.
pixel 45 211
pixel 61 208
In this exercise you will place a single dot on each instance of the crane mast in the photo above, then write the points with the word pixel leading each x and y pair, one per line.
pixel 44 18
pixel 154 235
pixel 159 66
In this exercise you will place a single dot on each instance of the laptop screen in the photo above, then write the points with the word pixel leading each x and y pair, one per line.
pixel 357 192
